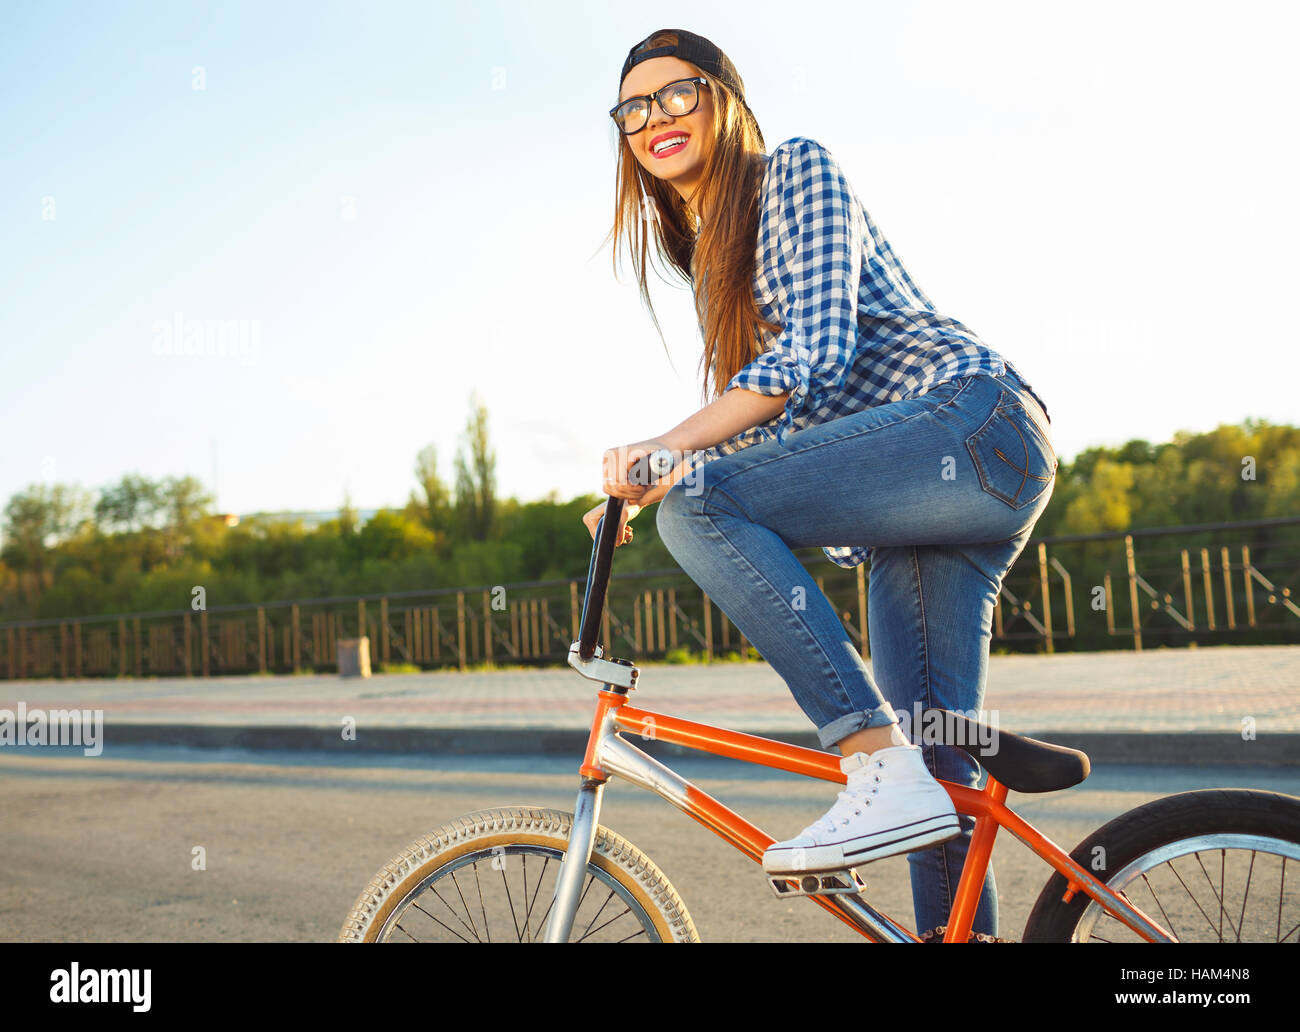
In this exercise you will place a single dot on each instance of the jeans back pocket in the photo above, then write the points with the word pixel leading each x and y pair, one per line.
pixel 1014 460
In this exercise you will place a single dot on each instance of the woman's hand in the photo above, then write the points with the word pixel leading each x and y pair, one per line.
pixel 592 519
pixel 618 461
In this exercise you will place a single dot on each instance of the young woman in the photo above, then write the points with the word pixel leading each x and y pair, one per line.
pixel 847 410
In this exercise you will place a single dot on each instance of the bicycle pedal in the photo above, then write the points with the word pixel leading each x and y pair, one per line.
pixel 824 884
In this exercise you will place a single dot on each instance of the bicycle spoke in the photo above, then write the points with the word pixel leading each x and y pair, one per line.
pixel 1191 894
pixel 406 933
pixel 546 915
pixel 465 905
pixel 634 935
pixel 1168 920
pixel 486 930
pixel 1281 896
pixel 1223 854
pixel 536 889
pixel 1246 895
pixel 626 910
pixel 524 865
pixel 435 921
pixel 451 910
pixel 1218 895
pixel 588 929
pixel 513 916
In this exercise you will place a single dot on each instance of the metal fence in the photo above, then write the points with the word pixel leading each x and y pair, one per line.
pixel 1224 582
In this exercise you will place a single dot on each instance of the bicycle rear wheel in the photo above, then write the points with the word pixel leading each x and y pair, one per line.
pixel 490 876
pixel 1217 865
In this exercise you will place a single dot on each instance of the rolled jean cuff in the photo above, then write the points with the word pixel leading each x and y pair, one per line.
pixel 842 727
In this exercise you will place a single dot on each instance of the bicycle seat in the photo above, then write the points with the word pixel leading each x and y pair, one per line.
pixel 1022 764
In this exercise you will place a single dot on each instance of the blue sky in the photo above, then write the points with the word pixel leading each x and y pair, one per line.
pixel 406 203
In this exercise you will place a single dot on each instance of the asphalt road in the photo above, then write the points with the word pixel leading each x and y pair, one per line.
pixel 104 851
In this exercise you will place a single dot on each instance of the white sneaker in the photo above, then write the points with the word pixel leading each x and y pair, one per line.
pixel 890 805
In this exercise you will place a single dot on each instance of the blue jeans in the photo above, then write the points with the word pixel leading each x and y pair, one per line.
pixel 945 490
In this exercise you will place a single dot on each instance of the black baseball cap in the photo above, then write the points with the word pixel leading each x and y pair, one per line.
pixel 698 51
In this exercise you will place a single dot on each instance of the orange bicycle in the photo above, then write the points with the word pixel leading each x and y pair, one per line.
pixel 1179 869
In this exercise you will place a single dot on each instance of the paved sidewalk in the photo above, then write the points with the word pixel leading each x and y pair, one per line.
pixel 1169 705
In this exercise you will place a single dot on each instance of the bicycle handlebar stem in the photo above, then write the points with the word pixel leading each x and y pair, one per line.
pixel 647 469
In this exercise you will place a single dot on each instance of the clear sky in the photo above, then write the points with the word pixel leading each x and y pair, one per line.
pixel 406 203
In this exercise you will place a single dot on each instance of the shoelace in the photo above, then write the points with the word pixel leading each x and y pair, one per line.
pixel 849 802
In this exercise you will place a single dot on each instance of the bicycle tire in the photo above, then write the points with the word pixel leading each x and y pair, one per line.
pixel 1137 845
pixel 483 843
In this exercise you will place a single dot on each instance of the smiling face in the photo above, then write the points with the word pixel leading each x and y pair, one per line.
pixel 681 166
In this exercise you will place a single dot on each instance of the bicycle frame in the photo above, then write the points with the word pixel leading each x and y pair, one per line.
pixel 609 753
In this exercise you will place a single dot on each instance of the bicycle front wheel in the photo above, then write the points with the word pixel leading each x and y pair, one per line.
pixel 1217 865
pixel 490 877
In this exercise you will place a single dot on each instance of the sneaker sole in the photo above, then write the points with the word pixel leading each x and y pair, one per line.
pixel 922 838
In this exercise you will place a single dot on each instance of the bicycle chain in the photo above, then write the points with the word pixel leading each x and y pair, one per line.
pixel 936 935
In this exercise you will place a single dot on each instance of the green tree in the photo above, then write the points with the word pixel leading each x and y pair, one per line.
pixel 432 506
pixel 476 503
pixel 129 505
pixel 35 521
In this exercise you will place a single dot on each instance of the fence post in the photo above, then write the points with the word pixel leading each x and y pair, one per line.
pixel 297 637
pixel 1209 588
pixel 1250 588
pixel 63 649
pixel 203 641
pixel 460 627
pixel 672 616
pixel 121 647
pixel 1047 596
pixel 261 641
pixel 383 630
pixel 487 626
pixel 76 648
pixel 1227 587
pixel 1133 591
pixel 708 626
pixel 1187 592
pixel 575 613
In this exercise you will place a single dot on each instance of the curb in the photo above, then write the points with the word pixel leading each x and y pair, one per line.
pixel 1149 748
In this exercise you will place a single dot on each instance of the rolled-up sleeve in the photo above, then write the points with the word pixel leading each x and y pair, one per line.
pixel 818 253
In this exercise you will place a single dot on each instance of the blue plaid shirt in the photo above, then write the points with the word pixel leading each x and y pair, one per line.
pixel 858 331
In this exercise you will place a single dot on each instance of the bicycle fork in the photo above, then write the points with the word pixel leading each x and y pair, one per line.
pixel 582 836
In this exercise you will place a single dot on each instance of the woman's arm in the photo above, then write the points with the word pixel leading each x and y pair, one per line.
pixel 736 411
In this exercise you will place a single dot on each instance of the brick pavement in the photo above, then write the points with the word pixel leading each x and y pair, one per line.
pixel 1164 690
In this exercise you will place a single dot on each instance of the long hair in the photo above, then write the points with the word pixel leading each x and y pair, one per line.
pixel 718 262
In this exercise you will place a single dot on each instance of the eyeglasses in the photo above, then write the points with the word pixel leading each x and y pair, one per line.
pixel 676 99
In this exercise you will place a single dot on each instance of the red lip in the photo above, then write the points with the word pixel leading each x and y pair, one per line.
pixel 667 135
